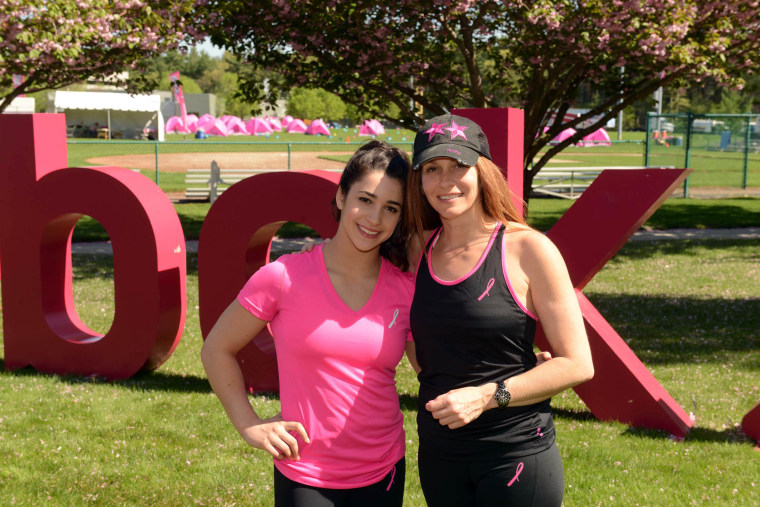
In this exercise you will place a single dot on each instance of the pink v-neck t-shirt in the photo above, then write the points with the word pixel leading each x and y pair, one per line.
pixel 336 367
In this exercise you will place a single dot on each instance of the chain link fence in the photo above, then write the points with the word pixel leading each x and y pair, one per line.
pixel 722 149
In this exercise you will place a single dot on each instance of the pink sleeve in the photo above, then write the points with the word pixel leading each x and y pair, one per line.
pixel 261 293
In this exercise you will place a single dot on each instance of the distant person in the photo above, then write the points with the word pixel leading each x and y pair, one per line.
pixel 484 280
pixel 339 316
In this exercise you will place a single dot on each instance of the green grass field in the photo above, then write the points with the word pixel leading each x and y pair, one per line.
pixel 690 310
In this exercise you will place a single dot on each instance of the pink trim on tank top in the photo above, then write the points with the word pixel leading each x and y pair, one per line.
pixel 466 276
pixel 509 283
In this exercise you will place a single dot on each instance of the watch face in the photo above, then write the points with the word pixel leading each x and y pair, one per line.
pixel 502 395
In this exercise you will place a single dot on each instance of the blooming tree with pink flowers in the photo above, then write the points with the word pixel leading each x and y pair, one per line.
pixel 53 43
pixel 439 54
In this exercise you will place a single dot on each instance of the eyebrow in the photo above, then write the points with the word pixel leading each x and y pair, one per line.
pixel 375 197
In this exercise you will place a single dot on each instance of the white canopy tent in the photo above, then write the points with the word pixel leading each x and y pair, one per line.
pixel 124 115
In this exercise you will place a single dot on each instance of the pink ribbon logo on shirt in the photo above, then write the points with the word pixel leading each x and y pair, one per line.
pixel 395 314
pixel 488 287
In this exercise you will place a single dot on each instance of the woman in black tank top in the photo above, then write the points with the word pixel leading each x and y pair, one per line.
pixel 484 280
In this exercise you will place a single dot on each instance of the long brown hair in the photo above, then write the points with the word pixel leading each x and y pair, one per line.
pixel 495 196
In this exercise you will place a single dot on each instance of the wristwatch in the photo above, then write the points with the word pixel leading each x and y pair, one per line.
pixel 502 394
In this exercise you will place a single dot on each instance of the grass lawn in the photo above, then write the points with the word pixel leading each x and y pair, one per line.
pixel 690 310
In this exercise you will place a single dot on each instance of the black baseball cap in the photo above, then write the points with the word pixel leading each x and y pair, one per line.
pixel 450 136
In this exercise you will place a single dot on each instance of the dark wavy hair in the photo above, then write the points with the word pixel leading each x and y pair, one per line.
pixel 380 156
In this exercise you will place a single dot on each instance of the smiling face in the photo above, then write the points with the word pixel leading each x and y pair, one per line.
pixel 370 210
pixel 450 188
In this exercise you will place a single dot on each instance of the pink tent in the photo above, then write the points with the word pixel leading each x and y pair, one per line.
pixel 174 126
pixel 371 128
pixel 216 128
pixel 206 117
pixel 296 127
pixel 318 127
pixel 286 121
pixel 192 122
pixel 274 123
pixel 563 135
pixel 258 126
pixel 597 138
pixel 235 126
pixel 205 122
pixel 377 126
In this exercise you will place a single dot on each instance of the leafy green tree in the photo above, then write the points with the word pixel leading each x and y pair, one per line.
pixel 54 43
pixel 314 103
pixel 441 54
pixel 710 98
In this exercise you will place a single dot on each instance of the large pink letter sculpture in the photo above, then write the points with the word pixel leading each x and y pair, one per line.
pixel 236 240
pixel 41 201
pixel 751 424
pixel 589 235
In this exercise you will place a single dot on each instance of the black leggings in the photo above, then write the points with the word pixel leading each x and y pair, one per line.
pixel 388 492
pixel 537 479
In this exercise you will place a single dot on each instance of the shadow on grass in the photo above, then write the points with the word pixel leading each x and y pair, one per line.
pixel 142 381
pixel 575 415
pixel 690 213
pixel 697 434
pixel 669 330
pixel 648 249
pixel 407 401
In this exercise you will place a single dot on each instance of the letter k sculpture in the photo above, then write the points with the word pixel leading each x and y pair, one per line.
pixel 588 235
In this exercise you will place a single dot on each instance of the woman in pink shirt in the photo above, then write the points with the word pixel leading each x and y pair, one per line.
pixel 340 320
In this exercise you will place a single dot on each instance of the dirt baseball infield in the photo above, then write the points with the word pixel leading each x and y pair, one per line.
pixel 180 162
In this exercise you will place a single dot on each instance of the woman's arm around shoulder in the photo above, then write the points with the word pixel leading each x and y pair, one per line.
pixel 234 329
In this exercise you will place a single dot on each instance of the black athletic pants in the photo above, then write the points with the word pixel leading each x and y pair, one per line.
pixel 537 479
pixel 388 492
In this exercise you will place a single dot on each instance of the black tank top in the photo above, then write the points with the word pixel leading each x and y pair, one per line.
pixel 467 333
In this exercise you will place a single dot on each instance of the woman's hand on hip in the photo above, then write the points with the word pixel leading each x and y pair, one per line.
pixel 274 436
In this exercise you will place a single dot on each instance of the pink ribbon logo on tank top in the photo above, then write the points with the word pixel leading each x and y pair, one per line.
pixel 488 288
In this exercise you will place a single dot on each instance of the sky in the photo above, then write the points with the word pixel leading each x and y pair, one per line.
pixel 207 47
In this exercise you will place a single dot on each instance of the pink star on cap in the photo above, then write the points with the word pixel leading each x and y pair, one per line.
pixel 456 130
pixel 437 128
